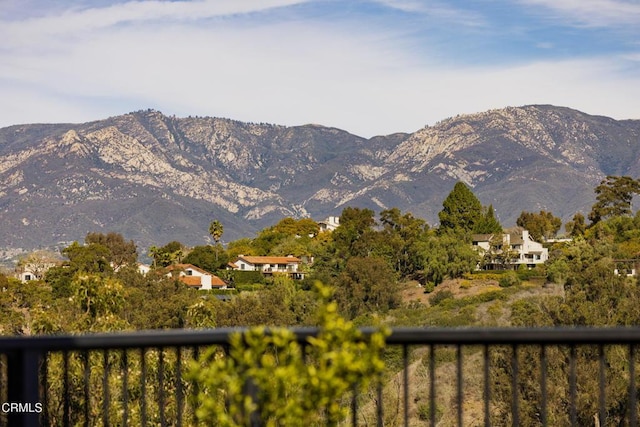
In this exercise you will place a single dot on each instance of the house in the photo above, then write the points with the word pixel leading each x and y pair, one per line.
pixel 35 266
pixel 329 224
pixel 195 277
pixel 144 268
pixel 269 265
pixel 515 243
pixel 626 267
pixel 25 274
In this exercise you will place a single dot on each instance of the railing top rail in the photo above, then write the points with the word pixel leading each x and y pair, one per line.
pixel 517 336
pixel 402 336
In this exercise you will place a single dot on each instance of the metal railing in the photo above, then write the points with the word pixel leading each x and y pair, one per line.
pixel 565 376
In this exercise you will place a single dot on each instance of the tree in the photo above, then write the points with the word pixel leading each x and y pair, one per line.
pixel 90 258
pixel 215 230
pixel 121 252
pixel 241 247
pixel 488 223
pixel 355 234
pixel 97 296
pixel 461 210
pixel 577 226
pixel 367 285
pixel 169 254
pixel 446 255
pixel 206 257
pixel 292 227
pixel 400 240
pixel 614 196
pixel 541 225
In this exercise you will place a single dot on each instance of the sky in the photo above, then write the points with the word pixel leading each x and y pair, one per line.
pixel 371 67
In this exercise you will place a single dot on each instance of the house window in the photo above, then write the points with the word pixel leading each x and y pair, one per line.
pixel 189 272
pixel 27 277
pixel 241 266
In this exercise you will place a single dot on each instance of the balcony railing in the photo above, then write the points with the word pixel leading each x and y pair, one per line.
pixel 566 376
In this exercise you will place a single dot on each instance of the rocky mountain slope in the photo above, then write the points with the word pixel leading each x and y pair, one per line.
pixel 156 178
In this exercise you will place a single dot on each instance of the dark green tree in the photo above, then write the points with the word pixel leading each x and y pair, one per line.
pixel 367 285
pixel 461 210
pixel 121 252
pixel 355 235
pixel 206 257
pixel 446 255
pixel 541 225
pixel 90 258
pixel 577 226
pixel 399 240
pixel 171 253
pixel 488 223
pixel 614 196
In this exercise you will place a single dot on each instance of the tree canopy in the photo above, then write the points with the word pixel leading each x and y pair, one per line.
pixel 461 210
pixel 614 196
pixel 541 225
pixel 488 223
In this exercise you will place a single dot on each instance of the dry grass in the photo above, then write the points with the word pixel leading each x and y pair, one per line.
pixel 492 313
pixel 419 391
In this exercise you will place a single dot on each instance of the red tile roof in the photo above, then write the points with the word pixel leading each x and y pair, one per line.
pixel 216 281
pixel 196 280
pixel 191 280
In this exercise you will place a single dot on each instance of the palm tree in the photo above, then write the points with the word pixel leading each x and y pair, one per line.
pixel 153 252
pixel 215 230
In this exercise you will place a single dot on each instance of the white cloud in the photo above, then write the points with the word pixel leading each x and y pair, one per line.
pixel 405 5
pixel 438 10
pixel 595 13
pixel 301 71
pixel 75 21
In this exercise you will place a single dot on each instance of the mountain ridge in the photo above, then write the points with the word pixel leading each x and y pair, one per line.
pixel 157 178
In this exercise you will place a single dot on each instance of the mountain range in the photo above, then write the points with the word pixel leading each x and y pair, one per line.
pixel 156 178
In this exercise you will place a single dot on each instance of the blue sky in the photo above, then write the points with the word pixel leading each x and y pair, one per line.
pixel 367 66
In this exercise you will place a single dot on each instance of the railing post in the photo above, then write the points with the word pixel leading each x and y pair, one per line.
pixel 24 387
pixel 251 390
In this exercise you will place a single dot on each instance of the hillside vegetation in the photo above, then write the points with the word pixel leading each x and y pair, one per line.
pixel 392 271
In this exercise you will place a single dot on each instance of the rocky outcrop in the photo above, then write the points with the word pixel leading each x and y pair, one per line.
pixel 157 178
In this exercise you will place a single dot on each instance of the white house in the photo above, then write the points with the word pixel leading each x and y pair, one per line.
pixel 329 224
pixel 526 251
pixel 35 266
pixel 269 265
pixel 143 268
pixel 26 275
pixel 195 277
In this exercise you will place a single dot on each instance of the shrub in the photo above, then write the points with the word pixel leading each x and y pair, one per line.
pixel 250 287
pixel 424 412
pixel 465 284
pixel 246 277
pixel 289 384
pixel 525 273
pixel 509 279
pixel 440 297
pixel 429 287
